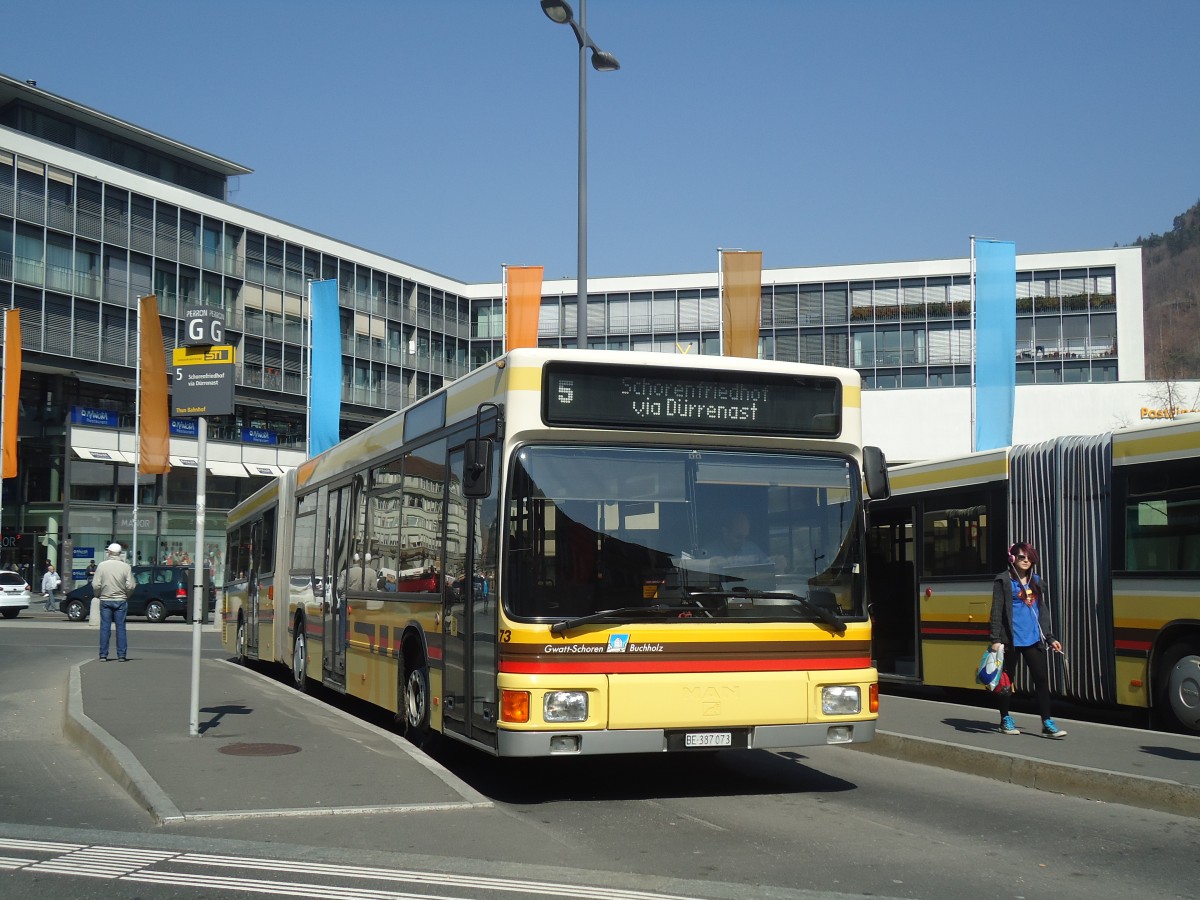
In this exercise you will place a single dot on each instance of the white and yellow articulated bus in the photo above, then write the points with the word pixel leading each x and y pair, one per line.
pixel 581 552
pixel 1116 520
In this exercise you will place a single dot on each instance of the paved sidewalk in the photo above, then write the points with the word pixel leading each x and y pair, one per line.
pixel 263 749
pixel 1131 766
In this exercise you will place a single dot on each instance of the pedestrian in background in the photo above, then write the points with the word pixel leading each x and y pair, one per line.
pixel 1020 622
pixel 91 570
pixel 112 584
pixel 50 583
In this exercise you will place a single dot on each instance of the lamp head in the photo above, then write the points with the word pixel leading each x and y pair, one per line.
pixel 558 11
pixel 603 61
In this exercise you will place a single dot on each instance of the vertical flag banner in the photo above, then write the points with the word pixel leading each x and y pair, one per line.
pixel 523 303
pixel 325 367
pixel 12 391
pixel 154 440
pixel 995 342
pixel 741 299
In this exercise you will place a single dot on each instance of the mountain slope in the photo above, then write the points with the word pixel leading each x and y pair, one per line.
pixel 1171 299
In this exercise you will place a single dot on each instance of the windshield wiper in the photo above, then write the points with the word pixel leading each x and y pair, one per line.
pixel 829 618
pixel 567 624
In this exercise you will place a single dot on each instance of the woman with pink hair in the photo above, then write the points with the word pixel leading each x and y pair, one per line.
pixel 1021 628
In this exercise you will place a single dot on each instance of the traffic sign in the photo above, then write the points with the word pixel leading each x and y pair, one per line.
pixel 203 384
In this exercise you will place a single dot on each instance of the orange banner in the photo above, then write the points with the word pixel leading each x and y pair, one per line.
pixel 12 390
pixel 154 440
pixel 523 303
pixel 741 300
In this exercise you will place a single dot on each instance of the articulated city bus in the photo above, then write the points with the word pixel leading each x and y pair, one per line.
pixel 571 552
pixel 1116 520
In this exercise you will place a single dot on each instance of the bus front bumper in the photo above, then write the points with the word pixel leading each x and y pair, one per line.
pixel 657 740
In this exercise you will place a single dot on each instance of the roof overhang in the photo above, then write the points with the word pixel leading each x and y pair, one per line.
pixel 14 89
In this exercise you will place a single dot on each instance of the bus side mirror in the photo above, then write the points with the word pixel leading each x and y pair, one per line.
pixel 477 468
pixel 875 472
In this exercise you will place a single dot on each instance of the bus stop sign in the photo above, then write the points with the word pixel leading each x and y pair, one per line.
pixel 203 383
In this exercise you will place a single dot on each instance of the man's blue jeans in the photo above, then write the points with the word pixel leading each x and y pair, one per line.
pixel 112 612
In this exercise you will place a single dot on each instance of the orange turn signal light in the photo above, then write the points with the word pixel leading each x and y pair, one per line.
pixel 514 706
pixel 873 698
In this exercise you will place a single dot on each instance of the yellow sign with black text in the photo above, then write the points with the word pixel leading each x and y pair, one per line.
pixel 202 356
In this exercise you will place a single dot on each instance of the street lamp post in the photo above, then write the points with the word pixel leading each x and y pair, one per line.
pixel 559 11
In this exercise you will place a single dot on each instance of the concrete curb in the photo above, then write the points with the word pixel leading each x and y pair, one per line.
pixel 1059 778
pixel 114 757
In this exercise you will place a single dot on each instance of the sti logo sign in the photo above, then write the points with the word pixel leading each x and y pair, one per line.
pixel 205 326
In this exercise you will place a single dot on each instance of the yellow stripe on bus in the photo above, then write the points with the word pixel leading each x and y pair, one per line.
pixel 954 473
pixel 1175 443
pixel 524 378
pixel 462 400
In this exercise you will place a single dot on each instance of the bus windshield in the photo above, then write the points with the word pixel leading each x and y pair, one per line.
pixel 682 534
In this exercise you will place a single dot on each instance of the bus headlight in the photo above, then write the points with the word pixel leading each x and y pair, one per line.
pixel 841 700
pixel 565 706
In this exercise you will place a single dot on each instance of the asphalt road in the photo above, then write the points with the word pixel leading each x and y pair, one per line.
pixel 819 822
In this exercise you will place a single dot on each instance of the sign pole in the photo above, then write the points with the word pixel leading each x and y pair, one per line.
pixel 204 374
pixel 199 604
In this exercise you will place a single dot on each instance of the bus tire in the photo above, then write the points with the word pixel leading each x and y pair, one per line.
pixel 414 698
pixel 1177 700
pixel 300 658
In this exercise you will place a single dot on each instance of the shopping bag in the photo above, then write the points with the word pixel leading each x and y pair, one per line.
pixel 991 669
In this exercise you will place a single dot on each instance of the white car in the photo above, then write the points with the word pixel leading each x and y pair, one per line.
pixel 14 594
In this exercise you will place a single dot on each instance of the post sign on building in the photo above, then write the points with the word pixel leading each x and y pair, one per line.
pixel 204 379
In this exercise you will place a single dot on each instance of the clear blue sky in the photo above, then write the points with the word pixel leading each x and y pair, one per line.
pixel 444 134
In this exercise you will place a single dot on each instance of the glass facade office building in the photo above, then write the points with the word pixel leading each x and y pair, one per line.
pixel 96 212
pixel 899 332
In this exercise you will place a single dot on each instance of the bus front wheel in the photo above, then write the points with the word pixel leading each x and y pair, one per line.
pixel 300 658
pixel 1178 700
pixel 415 699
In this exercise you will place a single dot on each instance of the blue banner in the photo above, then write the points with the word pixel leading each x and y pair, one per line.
pixel 184 428
pixel 995 342
pixel 325 373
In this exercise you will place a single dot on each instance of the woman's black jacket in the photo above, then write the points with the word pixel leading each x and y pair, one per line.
pixel 1001 628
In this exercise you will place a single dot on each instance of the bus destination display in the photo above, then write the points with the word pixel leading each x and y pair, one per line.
pixel 662 399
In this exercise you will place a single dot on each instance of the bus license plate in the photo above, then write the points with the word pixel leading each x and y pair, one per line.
pixel 708 739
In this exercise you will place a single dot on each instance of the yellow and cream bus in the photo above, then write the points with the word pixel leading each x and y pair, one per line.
pixel 1116 520
pixel 531 559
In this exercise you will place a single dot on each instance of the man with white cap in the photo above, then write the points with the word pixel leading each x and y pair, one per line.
pixel 112 584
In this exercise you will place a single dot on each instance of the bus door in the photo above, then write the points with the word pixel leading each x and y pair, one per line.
pixel 337 561
pixel 469 704
pixel 253 532
pixel 892 586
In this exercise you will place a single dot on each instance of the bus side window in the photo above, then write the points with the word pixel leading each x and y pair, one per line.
pixel 956 532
